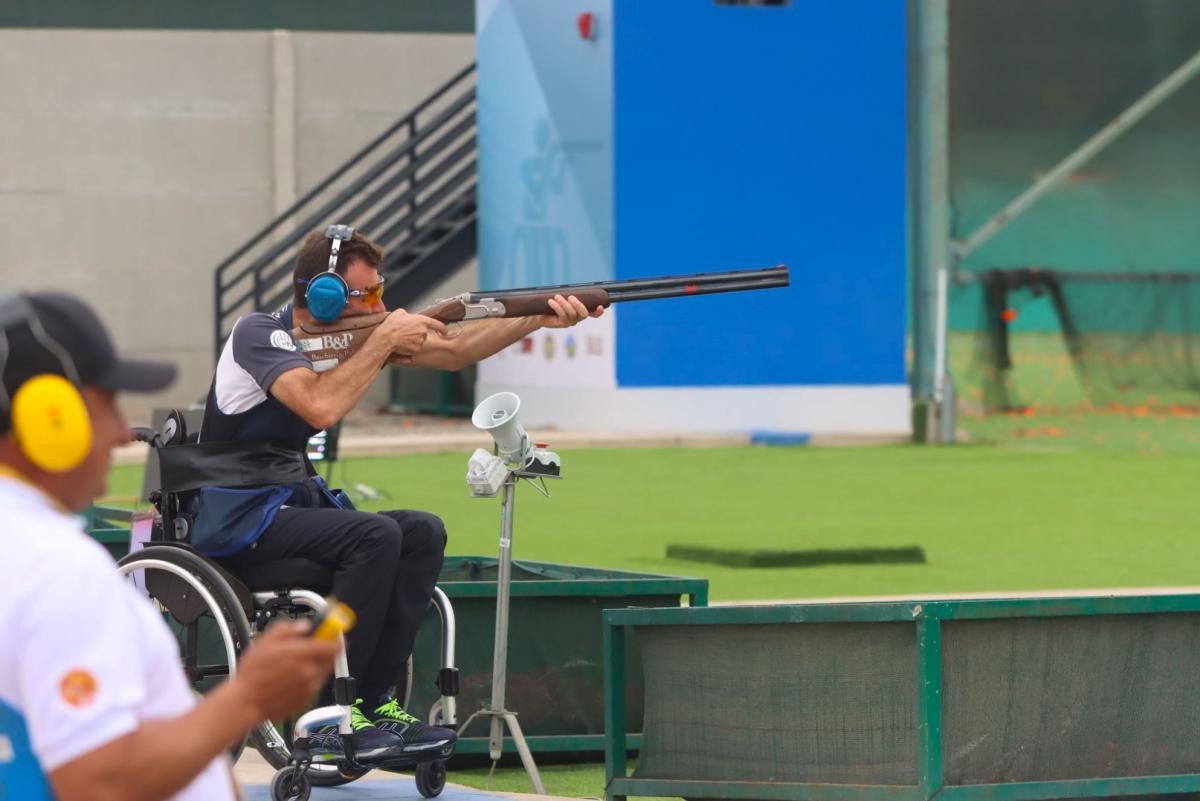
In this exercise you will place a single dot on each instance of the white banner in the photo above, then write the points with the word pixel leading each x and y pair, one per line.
pixel 582 356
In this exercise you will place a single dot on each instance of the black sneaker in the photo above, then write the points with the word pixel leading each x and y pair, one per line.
pixel 325 745
pixel 418 738
pixel 371 743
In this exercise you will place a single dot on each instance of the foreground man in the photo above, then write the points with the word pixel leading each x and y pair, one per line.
pixel 94 705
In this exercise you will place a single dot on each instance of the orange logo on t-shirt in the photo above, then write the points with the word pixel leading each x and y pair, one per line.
pixel 78 687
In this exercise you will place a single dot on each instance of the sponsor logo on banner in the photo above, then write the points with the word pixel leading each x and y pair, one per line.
pixel 282 340
pixel 545 359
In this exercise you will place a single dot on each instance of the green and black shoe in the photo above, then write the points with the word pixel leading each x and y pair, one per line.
pixel 371 743
pixel 419 738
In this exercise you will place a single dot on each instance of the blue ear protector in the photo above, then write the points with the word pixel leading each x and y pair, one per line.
pixel 327 294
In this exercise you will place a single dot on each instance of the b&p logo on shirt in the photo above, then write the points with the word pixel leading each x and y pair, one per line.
pixel 282 340
pixel 78 688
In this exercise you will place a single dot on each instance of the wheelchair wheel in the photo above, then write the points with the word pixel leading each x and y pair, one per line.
pixel 431 779
pixel 199 607
pixel 287 786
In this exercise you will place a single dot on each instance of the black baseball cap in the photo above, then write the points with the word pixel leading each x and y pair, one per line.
pixel 70 326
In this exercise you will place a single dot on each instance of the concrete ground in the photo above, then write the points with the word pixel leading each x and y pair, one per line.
pixel 254 775
pixel 367 433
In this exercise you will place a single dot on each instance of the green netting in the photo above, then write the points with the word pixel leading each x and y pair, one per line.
pixel 1029 82
pixel 823 703
pixel 1041 699
pixel 1129 337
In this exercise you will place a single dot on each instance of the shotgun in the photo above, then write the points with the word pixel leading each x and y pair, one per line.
pixel 326 344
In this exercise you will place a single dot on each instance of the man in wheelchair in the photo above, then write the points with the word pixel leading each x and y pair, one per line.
pixel 384 565
pixel 93 701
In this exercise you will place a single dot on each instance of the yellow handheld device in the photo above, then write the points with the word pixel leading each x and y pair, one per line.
pixel 336 619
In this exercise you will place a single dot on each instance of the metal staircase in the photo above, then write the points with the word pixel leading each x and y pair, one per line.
pixel 412 190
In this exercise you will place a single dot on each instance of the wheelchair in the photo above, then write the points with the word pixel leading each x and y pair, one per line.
pixel 215 615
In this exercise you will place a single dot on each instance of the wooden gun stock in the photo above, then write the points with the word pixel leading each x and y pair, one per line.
pixel 514 303
pixel 326 345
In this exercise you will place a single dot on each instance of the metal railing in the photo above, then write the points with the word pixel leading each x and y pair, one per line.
pixel 411 189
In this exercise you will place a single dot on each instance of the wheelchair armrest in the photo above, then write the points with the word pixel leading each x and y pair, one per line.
pixel 144 434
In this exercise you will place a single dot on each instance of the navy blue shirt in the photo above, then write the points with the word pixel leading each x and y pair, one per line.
pixel 240 406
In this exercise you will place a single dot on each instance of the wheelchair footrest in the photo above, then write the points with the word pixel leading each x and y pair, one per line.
pixel 407 763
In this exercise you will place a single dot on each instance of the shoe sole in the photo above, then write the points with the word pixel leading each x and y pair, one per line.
pixel 437 752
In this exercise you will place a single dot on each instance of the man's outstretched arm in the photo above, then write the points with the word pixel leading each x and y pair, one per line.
pixel 478 339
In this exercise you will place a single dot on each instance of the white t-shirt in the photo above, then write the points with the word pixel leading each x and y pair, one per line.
pixel 84 659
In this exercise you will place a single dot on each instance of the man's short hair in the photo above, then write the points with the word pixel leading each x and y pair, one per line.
pixel 314 260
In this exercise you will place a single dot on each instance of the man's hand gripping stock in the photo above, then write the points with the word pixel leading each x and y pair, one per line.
pixel 406 333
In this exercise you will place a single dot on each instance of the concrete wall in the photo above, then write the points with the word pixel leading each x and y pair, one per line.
pixel 132 162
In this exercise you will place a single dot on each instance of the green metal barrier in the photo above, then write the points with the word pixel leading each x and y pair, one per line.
pixel 980 700
pixel 555 676
pixel 555 672
pixel 109 527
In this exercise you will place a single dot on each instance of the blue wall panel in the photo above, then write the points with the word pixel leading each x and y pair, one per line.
pixel 748 136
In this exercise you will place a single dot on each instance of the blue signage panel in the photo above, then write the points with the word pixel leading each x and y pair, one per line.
pixel 748 136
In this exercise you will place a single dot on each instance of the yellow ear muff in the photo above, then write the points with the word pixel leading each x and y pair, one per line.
pixel 51 423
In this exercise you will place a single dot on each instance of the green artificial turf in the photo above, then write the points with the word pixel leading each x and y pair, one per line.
pixel 575 781
pixel 986 518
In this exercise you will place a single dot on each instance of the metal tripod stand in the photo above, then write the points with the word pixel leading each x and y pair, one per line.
pixel 499 715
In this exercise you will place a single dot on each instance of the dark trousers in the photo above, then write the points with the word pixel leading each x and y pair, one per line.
pixel 385 568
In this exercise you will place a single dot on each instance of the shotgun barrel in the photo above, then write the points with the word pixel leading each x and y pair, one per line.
pixel 659 287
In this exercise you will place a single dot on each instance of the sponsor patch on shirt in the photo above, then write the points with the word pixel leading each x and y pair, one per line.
pixel 326 342
pixel 308 344
pixel 78 688
pixel 282 340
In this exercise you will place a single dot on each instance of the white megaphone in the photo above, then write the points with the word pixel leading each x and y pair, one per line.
pixel 497 415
